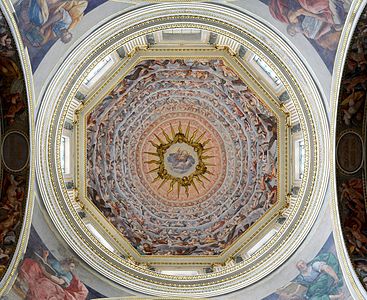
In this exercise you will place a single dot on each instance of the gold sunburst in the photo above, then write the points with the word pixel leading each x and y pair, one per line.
pixel 197 176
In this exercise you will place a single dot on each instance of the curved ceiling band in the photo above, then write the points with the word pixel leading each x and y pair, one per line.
pixel 349 160
pixel 17 159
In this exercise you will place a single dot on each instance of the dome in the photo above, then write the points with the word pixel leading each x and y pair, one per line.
pixel 178 162
pixel 178 150
pixel 193 161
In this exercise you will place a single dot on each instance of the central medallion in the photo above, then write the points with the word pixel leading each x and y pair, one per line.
pixel 181 159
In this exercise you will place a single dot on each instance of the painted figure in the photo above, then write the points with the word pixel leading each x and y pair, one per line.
pixel 361 268
pixel 321 21
pixel 353 87
pixel 47 278
pixel 322 277
pixel 181 161
pixel 319 279
pixel 328 11
pixel 47 20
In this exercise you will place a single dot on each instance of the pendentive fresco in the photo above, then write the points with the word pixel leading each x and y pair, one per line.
pixel 14 131
pixel 320 21
pixel 319 279
pixel 182 157
pixel 43 22
pixel 350 138
pixel 50 273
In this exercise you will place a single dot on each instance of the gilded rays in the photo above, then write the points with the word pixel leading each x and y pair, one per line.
pixel 180 160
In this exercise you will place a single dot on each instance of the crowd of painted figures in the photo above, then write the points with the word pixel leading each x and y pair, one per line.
pixel 14 116
pixel 212 97
pixel 351 118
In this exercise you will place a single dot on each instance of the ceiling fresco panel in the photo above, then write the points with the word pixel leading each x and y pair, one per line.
pixel 182 157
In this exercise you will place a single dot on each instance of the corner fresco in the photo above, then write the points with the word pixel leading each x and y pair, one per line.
pixel 14 132
pixel 50 274
pixel 320 21
pixel 350 139
pixel 318 279
pixel 43 22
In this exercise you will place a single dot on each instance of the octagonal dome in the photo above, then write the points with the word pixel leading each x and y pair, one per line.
pixel 182 156
pixel 197 156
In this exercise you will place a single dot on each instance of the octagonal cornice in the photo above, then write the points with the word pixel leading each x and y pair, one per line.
pixel 267 221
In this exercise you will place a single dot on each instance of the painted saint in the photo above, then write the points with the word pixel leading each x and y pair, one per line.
pixel 48 20
pixel 48 278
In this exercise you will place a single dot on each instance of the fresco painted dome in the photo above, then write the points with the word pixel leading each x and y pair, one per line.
pixel 182 157
pixel 183 153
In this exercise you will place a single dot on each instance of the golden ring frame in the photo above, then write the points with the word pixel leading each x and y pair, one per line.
pixel 203 289
pixel 10 275
pixel 187 181
pixel 282 148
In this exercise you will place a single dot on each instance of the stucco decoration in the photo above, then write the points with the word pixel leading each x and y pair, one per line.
pixel 182 157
